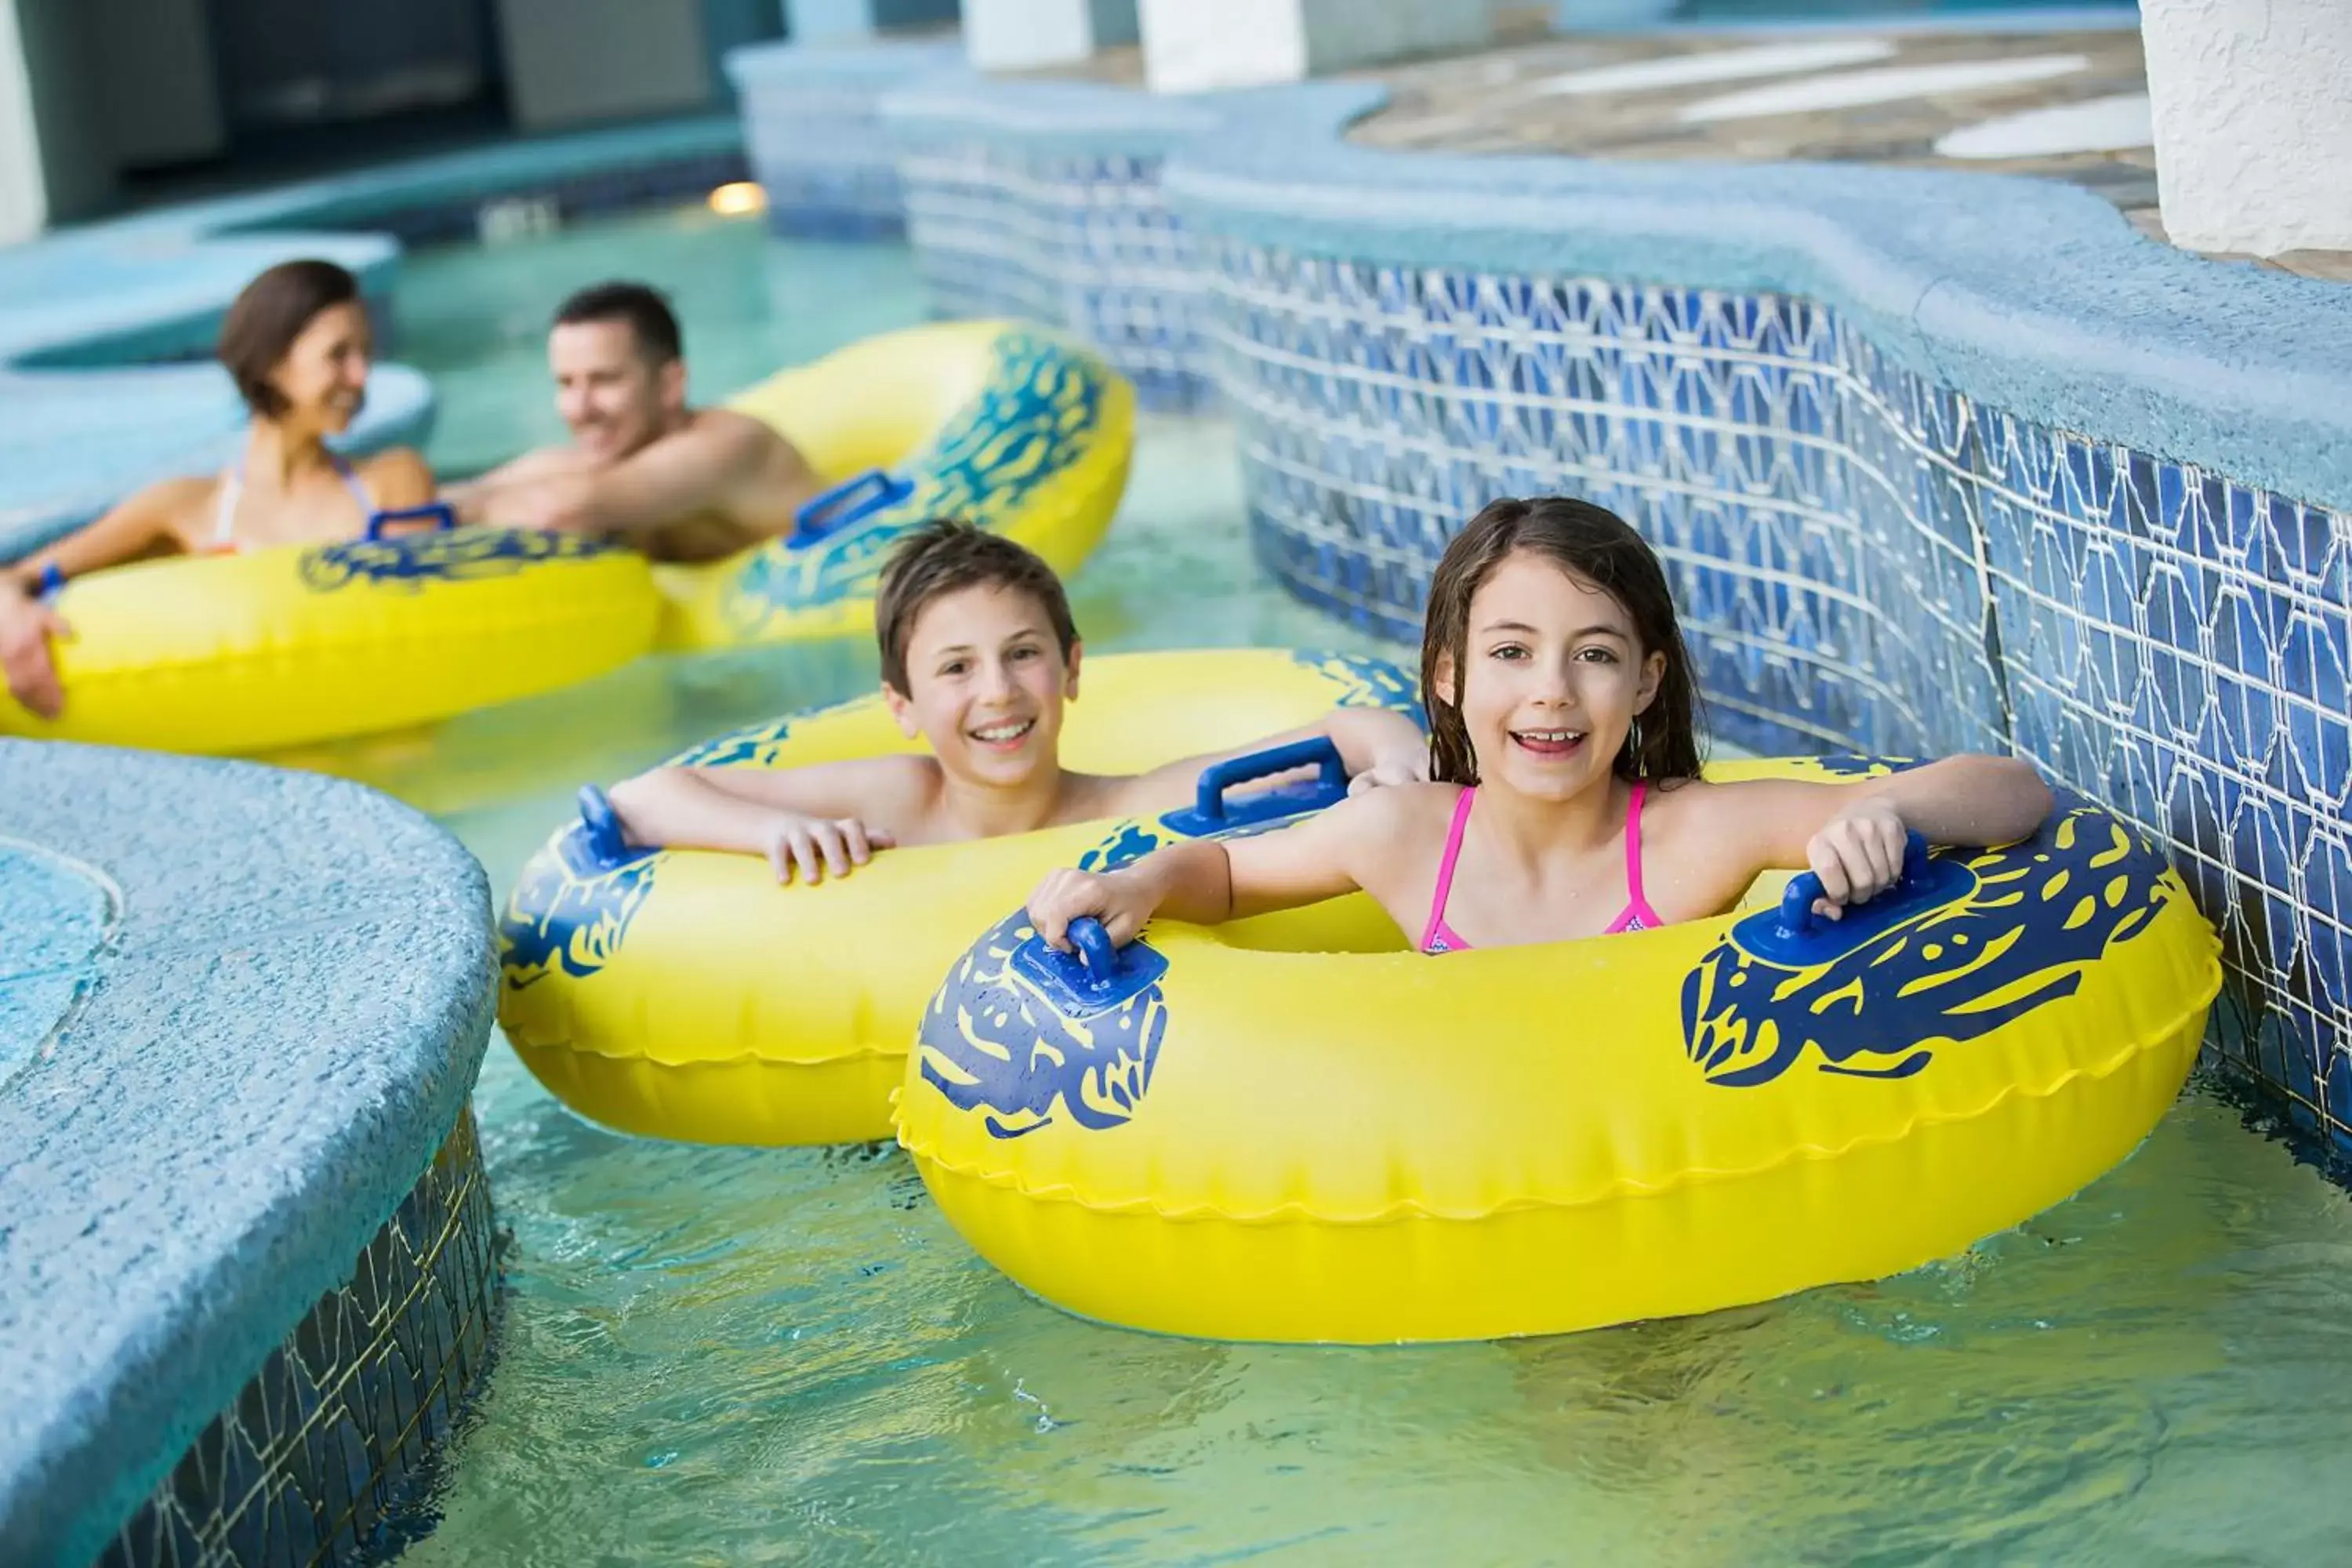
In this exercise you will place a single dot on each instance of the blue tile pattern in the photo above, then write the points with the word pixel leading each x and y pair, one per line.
pixel 279 1027
pixel 1081 242
pixel 1866 560
pixel 319 1457
pixel 812 122
pixel 825 163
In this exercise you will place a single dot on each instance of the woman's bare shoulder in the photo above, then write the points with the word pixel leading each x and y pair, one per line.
pixel 180 505
pixel 397 476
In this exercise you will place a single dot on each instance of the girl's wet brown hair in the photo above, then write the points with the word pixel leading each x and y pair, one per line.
pixel 266 317
pixel 1591 542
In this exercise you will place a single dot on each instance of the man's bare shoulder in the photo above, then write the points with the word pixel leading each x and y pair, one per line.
pixel 725 430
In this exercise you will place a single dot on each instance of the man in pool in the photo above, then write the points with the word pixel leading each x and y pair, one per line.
pixel 643 467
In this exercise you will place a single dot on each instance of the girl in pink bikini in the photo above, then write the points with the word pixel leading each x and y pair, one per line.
pixel 1565 800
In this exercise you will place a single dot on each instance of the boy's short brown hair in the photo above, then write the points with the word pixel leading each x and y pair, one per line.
pixel 944 556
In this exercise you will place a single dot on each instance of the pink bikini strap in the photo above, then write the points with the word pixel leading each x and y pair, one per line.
pixel 1633 847
pixel 1445 868
pixel 1638 915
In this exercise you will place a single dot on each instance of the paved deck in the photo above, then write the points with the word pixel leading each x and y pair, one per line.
pixel 2056 95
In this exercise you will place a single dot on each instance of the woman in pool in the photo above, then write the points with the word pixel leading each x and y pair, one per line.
pixel 1565 801
pixel 296 343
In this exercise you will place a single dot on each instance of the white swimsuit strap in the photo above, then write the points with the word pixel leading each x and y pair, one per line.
pixel 232 488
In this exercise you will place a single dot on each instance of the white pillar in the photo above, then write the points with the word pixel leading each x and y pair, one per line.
pixel 24 194
pixel 2253 110
pixel 1018 35
pixel 1196 46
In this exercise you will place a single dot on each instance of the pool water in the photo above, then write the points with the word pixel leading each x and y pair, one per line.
pixel 735 1356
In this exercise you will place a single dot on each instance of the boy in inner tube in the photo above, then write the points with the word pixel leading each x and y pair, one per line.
pixel 979 656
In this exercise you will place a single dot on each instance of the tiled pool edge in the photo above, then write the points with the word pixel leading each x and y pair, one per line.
pixel 814 135
pixel 266 1073
pixel 1044 199
pixel 301 1466
pixel 1834 396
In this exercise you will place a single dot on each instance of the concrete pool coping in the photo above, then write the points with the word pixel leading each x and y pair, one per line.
pixel 113 297
pixel 2026 295
pixel 239 1084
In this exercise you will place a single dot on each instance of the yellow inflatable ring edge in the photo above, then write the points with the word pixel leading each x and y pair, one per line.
pixel 283 646
pixel 683 995
pixel 1004 424
pixel 1579 1181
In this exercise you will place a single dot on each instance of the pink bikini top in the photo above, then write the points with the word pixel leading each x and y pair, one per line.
pixel 1637 915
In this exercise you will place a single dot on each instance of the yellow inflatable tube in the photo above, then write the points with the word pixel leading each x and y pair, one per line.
pixel 287 646
pixel 685 994
pixel 1001 425
pixel 1292 1129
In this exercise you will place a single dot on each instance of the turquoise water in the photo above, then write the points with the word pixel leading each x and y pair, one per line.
pixel 729 1356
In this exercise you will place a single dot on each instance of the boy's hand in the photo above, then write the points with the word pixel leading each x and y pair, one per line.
pixel 1403 766
pixel 1122 900
pixel 813 846
pixel 1389 747
pixel 1858 854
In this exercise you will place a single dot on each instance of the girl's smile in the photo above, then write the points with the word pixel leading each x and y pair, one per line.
pixel 1548 744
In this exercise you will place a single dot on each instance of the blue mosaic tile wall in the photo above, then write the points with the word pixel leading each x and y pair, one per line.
pixel 1082 242
pixel 1866 560
pixel 821 152
pixel 812 114
pixel 321 1455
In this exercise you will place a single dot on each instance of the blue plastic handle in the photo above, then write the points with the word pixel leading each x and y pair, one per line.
pixel 53 582
pixel 600 825
pixel 852 500
pixel 1095 979
pixel 1797 916
pixel 1209 803
pixel 1096 952
pixel 439 511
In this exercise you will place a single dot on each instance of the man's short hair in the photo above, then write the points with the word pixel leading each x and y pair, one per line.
pixel 944 556
pixel 641 306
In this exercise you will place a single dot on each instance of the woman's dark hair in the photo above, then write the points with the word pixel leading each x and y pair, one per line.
pixel 266 317
pixel 1599 546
